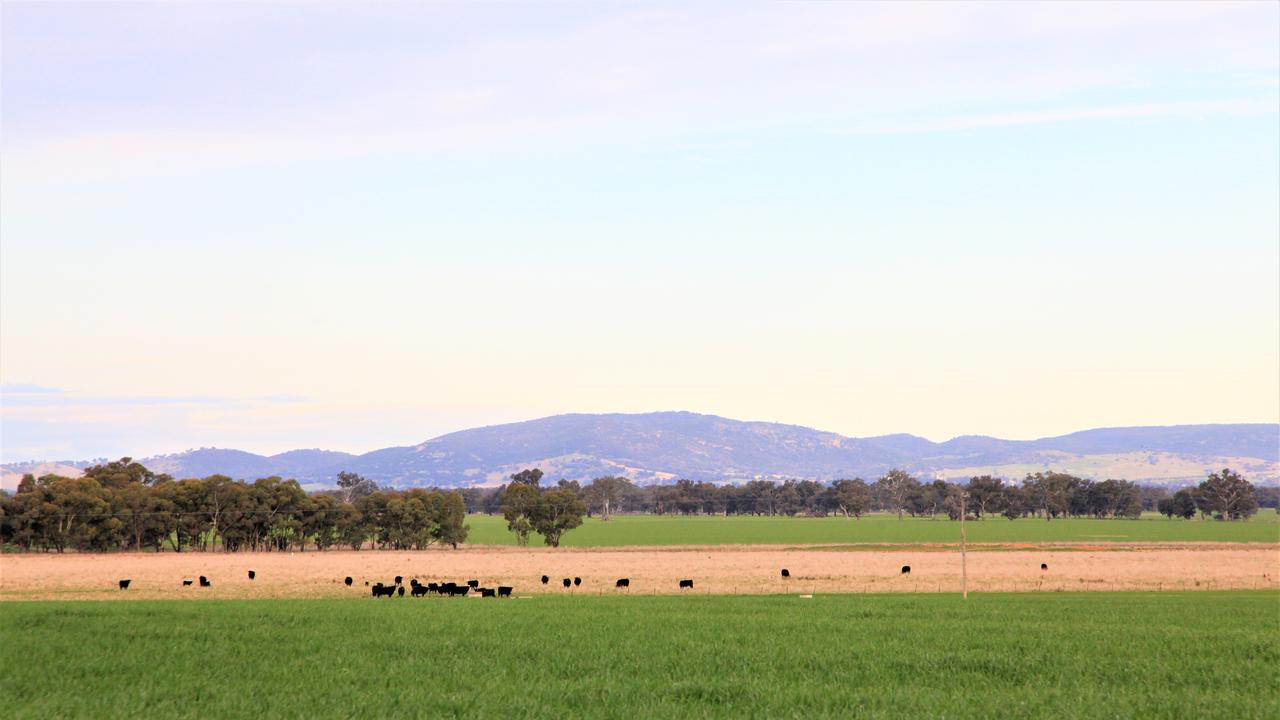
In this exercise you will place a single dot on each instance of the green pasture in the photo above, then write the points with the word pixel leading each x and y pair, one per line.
pixel 879 528
pixel 1094 655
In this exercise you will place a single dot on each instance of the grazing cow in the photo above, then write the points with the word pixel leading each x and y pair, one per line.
pixel 473 584
pixel 204 582
pixel 252 574
pixel 488 592
pixel 786 573
pixel 187 583
pixel 906 569
pixel 433 587
pixel 623 583
pixel 381 590
pixel 124 584
pixel 399 580
pixel 577 582
pixel 418 591
pixel 545 579
pixel 504 591
pixel 686 584
pixel 567 582
pixel 400 591
pixel 347 581
pixel 1044 566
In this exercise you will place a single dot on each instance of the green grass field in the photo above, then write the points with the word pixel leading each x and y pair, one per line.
pixel 1094 655
pixel 879 528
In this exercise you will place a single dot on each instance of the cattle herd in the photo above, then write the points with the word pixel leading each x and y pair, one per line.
pixel 451 589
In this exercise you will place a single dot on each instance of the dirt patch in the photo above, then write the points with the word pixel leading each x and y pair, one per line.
pixel 718 569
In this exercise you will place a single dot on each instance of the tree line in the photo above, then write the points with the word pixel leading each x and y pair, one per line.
pixel 1047 495
pixel 124 506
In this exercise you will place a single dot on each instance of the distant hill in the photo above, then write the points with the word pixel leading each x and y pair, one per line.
pixel 664 446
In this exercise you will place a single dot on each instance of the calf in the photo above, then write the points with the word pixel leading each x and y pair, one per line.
pixel 252 574
pixel 504 591
pixel 347 581
pixel 906 569
pixel 786 573
pixel 545 579
pixel 686 584
pixel 400 591
pixel 623 583
pixel 124 584
pixel 567 582
pixel 488 592
pixel 187 583
pixel 204 582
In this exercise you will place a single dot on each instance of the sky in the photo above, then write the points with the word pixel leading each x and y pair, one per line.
pixel 271 226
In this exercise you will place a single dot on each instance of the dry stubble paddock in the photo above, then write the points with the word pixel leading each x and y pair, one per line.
pixel 720 569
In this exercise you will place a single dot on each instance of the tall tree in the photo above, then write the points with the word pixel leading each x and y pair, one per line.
pixel 557 512
pixel 527 477
pixel 850 497
pixel 519 503
pixel 894 488
pixel 353 486
pixel 606 492
pixel 1228 495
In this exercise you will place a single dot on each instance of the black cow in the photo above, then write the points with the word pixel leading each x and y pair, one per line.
pixel 124 584
pixel 461 590
pixel 567 582
pixel 433 587
pixel 577 581
pixel 413 582
pixel 906 569
pixel 399 580
pixel 786 573
pixel 418 591
pixel 204 582
pixel 473 584
pixel 400 591
pixel 623 583
pixel 187 583
pixel 686 584
pixel 347 581
pixel 545 579
pixel 381 590
pixel 488 592
pixel 252 574
pixel 1044 566
pixel 504 591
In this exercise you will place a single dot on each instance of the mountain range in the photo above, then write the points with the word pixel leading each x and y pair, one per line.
pixel 664 446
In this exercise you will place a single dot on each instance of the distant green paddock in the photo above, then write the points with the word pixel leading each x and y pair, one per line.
pixel 879 528
pixel 1094 655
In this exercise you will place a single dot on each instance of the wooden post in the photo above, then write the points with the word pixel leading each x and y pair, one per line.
pixel 964 567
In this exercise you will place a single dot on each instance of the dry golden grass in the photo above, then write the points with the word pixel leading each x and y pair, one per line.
pixel 720 569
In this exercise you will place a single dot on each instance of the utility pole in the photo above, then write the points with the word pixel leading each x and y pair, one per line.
pixel 964 566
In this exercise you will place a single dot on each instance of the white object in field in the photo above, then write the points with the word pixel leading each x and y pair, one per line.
pixel 806 597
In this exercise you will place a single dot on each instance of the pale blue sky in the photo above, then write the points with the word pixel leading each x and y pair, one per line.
pixel 352 226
